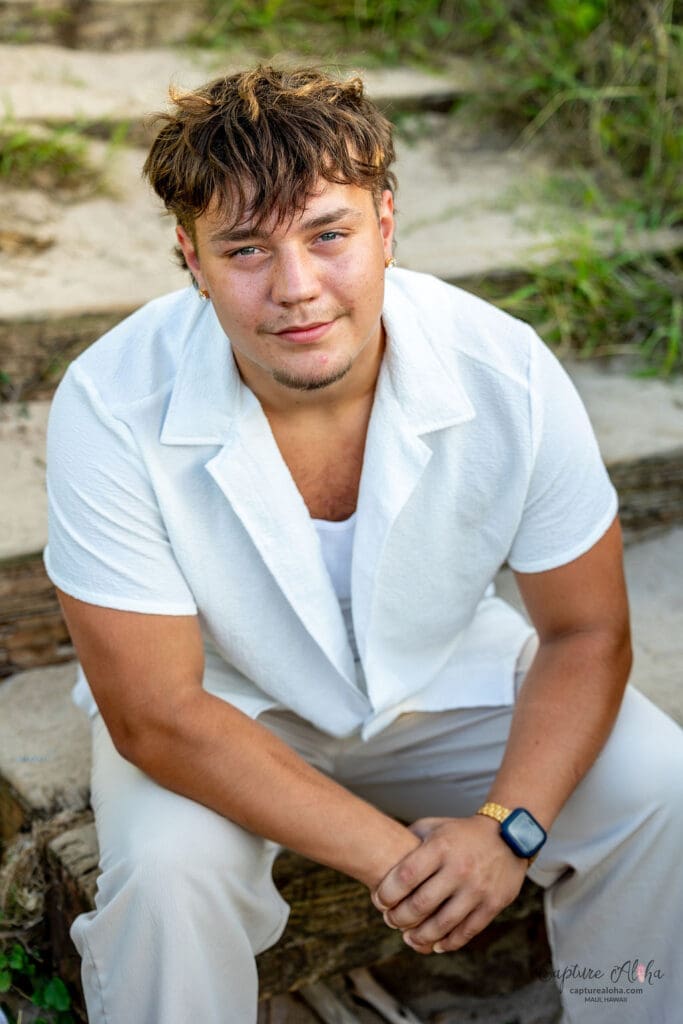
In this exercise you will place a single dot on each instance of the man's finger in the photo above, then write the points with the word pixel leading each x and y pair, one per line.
pixel 468 928
pixel 448 916
pixel 419 865
pixel 424 826
pixel 422 904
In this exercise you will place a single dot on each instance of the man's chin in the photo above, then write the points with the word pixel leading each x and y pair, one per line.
pixel 310 382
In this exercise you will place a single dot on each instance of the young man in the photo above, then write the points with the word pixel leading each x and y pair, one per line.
pixel 277 504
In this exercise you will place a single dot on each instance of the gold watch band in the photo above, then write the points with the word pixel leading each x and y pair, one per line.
pixel 496 811
pixel 500 813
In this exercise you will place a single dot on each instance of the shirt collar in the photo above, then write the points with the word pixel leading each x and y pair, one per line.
pixel 208 395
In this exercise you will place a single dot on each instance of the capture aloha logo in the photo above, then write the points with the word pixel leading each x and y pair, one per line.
pixel 617 984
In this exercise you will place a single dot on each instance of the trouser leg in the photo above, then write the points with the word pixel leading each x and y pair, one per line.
pixel 612 866
pixel 617 904
pixel 184 901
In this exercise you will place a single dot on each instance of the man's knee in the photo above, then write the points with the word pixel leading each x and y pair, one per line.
pixel 176 873
pixel 642 761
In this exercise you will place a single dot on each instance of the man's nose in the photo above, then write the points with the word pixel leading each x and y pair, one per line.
pixel 295 278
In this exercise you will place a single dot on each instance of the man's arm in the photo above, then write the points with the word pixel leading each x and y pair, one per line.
pixel 447 890
pixel 146 671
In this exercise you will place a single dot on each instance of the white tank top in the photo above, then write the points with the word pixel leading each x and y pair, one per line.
pixel 336 542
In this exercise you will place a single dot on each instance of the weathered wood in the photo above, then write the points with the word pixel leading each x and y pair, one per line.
pixel 35 353
pixel 13 814
pixel 285 1010
pixel 650 491
pixel 511 952
pixel 372 992
pixel 327 1005
pixel 332 926
pixel 32 630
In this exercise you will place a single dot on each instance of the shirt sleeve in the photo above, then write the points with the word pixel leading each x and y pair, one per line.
pixel 570 501
pixel 107 543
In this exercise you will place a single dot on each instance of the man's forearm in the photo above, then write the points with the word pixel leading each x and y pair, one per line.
pixel 212 753
pixel 563 716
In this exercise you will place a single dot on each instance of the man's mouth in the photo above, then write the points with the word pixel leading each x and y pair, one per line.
pixel 303 333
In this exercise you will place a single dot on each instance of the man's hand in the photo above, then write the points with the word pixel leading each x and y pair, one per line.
pixel 450 887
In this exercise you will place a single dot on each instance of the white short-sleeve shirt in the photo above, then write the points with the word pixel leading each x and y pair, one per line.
pixel 168 495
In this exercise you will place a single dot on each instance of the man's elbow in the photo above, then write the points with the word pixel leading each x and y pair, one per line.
pixel 142 736
pixel 615 650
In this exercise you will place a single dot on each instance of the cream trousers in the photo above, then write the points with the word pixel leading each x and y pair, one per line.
pixel 186 899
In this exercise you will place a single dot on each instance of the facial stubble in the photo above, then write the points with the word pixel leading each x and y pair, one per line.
pixel 295 383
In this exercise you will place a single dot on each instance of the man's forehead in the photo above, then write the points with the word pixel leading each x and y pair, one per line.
pixel 328 202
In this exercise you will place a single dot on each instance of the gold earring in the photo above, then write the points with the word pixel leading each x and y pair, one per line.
pixel 203 294
pixel 389 262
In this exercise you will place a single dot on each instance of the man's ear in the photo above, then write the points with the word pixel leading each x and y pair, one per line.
pixel 386 221
pixel 190 254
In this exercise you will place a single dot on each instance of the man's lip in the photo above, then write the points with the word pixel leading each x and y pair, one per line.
pixel 305 332
pixel 304 327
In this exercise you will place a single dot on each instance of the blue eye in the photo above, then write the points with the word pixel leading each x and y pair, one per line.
pixel 330 236
pixel 247 250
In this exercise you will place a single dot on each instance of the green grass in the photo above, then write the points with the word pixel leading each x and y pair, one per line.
pixel 384 31
pixel 596 305
pixel 602 84
pixel 55 159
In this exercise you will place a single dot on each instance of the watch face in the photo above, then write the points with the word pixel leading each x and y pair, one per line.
pixel 523 833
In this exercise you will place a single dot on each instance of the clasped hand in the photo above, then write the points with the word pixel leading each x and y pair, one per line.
pixel 450 887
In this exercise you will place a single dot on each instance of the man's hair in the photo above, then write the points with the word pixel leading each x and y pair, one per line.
pixel 256 143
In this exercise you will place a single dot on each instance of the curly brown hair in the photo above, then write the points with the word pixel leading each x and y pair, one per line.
pixel 257 142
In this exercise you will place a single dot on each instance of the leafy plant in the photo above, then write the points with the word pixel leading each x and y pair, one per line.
pixel 602 82
pixel 597 305
pixel 386 29
pixel 52 159
pixel 22 970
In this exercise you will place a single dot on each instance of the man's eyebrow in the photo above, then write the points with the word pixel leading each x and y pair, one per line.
pixel 324 219
pixel 241 234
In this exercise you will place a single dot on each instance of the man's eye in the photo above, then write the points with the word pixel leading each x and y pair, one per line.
pixel 246 250
pixel 330 236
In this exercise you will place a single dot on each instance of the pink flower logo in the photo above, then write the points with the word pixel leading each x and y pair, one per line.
pixel 640 971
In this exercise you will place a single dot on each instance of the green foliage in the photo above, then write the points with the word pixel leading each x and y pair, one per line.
pixel 8 393
pixel 388 30
pixel 23 972
pixel 597 305
pixel 55 159
pixel 602 79
pixel 603 82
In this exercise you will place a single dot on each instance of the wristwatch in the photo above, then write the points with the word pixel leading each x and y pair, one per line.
pixel 518 828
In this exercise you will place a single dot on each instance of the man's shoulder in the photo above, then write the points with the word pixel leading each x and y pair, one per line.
pixel 463 327
pixel 140 354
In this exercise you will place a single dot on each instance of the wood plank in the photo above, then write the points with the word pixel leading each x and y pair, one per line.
pixel 32 630
pixel 327 1004
pixel 332 926
pixel 286 1010
pixel 386 1005
pixel 35 352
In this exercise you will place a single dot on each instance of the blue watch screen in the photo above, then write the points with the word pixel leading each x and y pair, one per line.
pixel 524 830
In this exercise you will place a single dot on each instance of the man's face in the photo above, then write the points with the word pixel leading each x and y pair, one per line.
pixel 302 301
